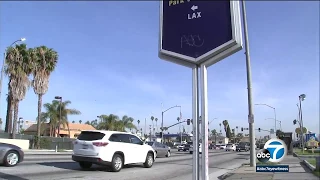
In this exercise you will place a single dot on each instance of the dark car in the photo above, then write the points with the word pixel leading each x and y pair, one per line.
pixel 212 146
pixel 10 155
pixel 243 146
pixel 161 149
pixel 185 147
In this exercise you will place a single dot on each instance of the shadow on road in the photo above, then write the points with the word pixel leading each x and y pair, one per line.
pixel 75 166
pixel 11 177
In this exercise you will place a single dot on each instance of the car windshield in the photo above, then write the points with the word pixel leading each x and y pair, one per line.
pixel 150 143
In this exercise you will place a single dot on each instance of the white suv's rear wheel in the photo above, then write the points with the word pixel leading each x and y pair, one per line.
pixel 149 161
pixel 117 163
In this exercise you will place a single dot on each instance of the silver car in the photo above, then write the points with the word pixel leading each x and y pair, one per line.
pixel 161 149
pixel 10 155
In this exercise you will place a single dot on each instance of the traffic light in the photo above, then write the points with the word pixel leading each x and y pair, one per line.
pixel 297 135
pixel 160 134
pixel 188 121
pixel 294 122
pixel 242 129
pixel 259 129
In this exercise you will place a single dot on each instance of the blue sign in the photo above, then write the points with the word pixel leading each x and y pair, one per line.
pixel 197 29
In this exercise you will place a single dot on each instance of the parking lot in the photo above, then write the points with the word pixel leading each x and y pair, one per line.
pixel 178 166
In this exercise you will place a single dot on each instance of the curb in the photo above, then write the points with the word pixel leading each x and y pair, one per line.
pixel 294 154
pixel 310 166
pixel 230 173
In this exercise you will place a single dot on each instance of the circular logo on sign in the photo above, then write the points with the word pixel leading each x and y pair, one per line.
pixel 263 155
pixel 277 149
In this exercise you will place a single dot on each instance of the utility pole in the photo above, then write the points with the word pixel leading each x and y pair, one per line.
pixel 249 87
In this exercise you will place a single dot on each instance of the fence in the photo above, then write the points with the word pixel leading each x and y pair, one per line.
pixel 46 142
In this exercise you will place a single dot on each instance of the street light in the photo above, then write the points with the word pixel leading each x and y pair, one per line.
pixel 59 123
pixel 162 119
pixel 302 97
pixel 20 121
pixel 275 114
pixel 2 69
pixel 277 121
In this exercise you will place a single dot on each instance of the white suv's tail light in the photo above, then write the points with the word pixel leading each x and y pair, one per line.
pixel 100 144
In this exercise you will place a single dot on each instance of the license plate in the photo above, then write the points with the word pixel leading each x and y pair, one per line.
pixel 85 146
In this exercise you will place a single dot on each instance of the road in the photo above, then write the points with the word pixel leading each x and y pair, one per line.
pixel 177 167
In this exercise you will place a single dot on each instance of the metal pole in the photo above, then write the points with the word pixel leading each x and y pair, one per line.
pixel 60 116
pixel 195 116
pixel 301 121
pixel 162 127
pixel 145 125
pixel 275 119
pixel 250 107
pixel 204 121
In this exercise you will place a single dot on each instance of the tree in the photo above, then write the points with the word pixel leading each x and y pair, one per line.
pixel 156 120
pixel 53 112
pixel 18 68
pixel 227 128
pixel 279 133
pixel 138 123
pixel 80 121
pixel 298 130
pixel 44 61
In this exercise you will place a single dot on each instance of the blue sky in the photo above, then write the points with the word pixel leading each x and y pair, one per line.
pixel 108 62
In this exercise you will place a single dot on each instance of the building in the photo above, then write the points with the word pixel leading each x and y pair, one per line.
pixel 75 130
pixel 219 139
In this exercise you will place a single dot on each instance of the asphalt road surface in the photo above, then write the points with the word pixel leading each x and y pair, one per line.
pixel 176 167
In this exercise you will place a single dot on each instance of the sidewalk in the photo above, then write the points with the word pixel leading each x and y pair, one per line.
pixel 45 152
pixel 296 171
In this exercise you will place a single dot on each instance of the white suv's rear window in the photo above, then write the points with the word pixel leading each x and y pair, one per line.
pixel 90 136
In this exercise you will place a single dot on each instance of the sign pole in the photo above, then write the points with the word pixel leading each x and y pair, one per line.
pixel 249 86
pixel 195 116
pixel 204 116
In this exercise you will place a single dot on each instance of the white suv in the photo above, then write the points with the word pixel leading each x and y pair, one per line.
pixel 111 148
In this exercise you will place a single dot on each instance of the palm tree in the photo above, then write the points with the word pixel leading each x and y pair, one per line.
pixel 227 128
pixel 152 118
pixel 214 133
pixel 138 123
pixel 18 68
pixel 53 112
pixel 44 61
pixel 156 120
pixel 237 129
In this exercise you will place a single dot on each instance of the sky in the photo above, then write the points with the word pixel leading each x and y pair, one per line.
pixel 108 63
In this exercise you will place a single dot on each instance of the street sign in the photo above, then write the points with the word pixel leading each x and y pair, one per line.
pixel 196 32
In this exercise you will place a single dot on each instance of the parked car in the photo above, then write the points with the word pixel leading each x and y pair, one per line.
pixel 111 148
pixel 160 149
pixel 10 155
pixel 223 146
pixel 243 146
pixel 231 147
pixel 191 148
pixel 217 146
